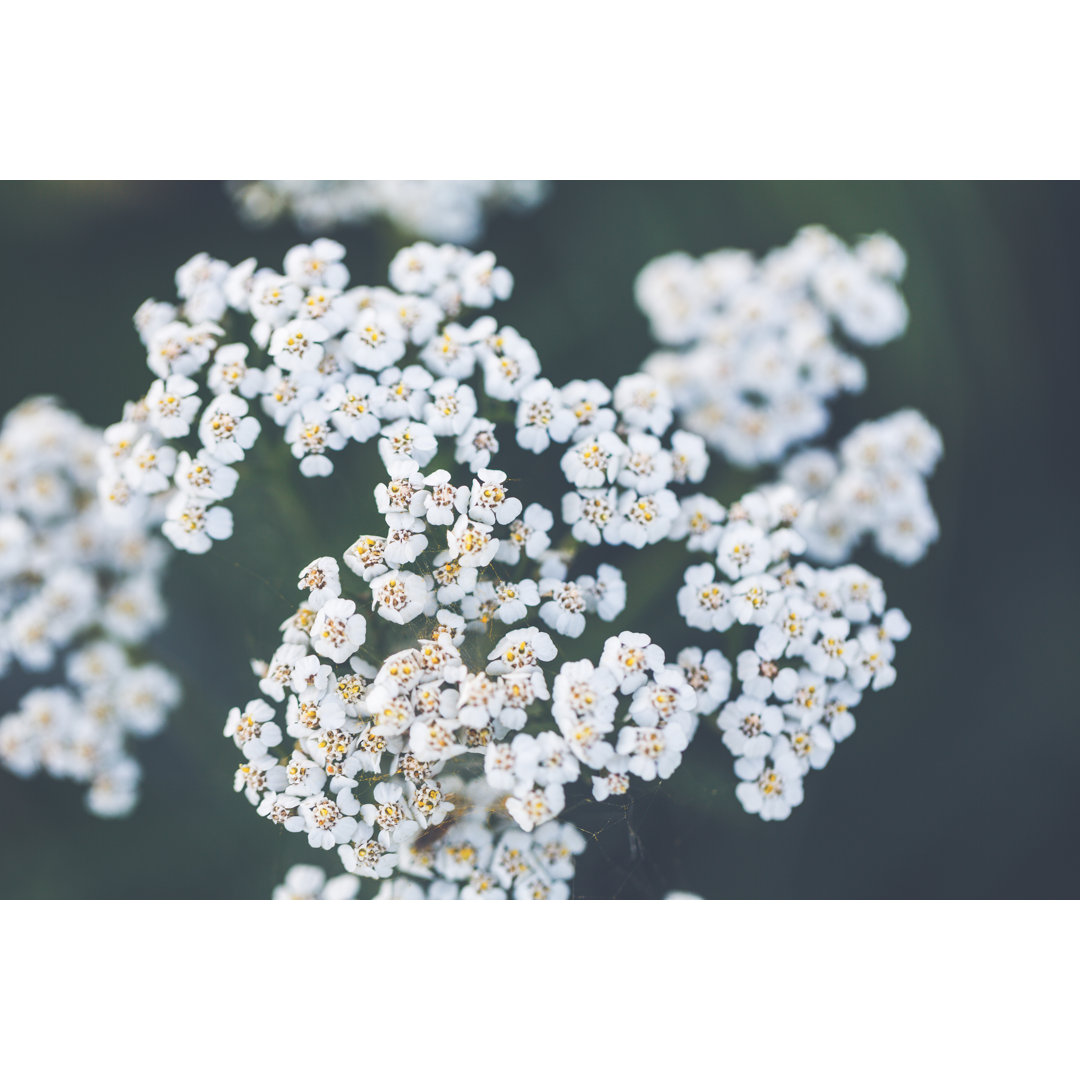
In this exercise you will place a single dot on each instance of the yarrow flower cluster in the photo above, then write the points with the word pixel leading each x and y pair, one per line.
pixel 475 853
pixel 875 485
pixel 757 357
pixel 823 637
pixel 336 375
pixel 387 727
pixel 73 582
pixel 440 210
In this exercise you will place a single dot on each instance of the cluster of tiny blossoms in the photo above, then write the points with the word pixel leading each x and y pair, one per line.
pixel 72 582
pixel 475 854
pixel 380 745
pixel 334 375
pixel 756 358
pixel 440 210
pixel 875 485
pixel 822 638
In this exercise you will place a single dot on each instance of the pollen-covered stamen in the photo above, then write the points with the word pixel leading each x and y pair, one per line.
pixel 771 783
pixel 351 688
pixel 712 597
pixel 285 390
pixel 335 631
pixel 314 579
pixel 597 511
pixel 312 437
pixel 369 550
pixel 569 597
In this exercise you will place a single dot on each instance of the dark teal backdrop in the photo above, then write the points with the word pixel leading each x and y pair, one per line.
pixel 960 781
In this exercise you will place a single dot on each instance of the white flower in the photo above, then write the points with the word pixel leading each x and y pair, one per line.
pixel 273 299
pixel 709 675
pixel 583 693
pixel 802 750
pixel 279 671
pixel 756 599
pixel 643 402
pixel 565 611
pixel 455 582
pixel 807 701
pixel 149 467
pixel 665 699
pixel 488 501
pixel 510 364
pixel 476 444
pixel 405 540
pixel 402 393
pixel 520 649
pixel 309 883
pixel 517 691
pixel 833 653
pixel 407 439
pixel 400 596
pixel 445 501
pixel 652 751
pixel 451 408
pixel 699 523
pixel 351 409
pixel 285 393
pixel 872 667
pixel 257 776
pixel 226 430
pixel 230 373
pixel 192 525
pixel 743 550
pixel 631 657
pixel 418 268
pixel 594 461
pixel 338 631
pixel 615 781
pixel 689 458
pixel 593 515
pixel 318 263
pixel 366 857
pixel 390 814
pixel 528 535
pixel 648 466
pixel 296 346
pixel 179 349
pixel 536 806
pixel 322 580
pixel 404 492
pixel 203 476
pixel 704 603
pixel 482 282
pixel 761 677
pixel 749 725
pixel 326 821
pixel 366 557
pixel 586 400
pixel 471 542
pixel 252 729
pixel 310 435
pixel 645 519
pixel 606 593
pixel 542 418
pixel 510 765
pixel 173 403
pixel 452 354
pixel 769 791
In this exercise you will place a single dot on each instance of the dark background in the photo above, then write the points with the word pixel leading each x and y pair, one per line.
pixel 960 780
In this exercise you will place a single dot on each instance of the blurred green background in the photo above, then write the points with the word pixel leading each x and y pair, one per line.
pixel 960 780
